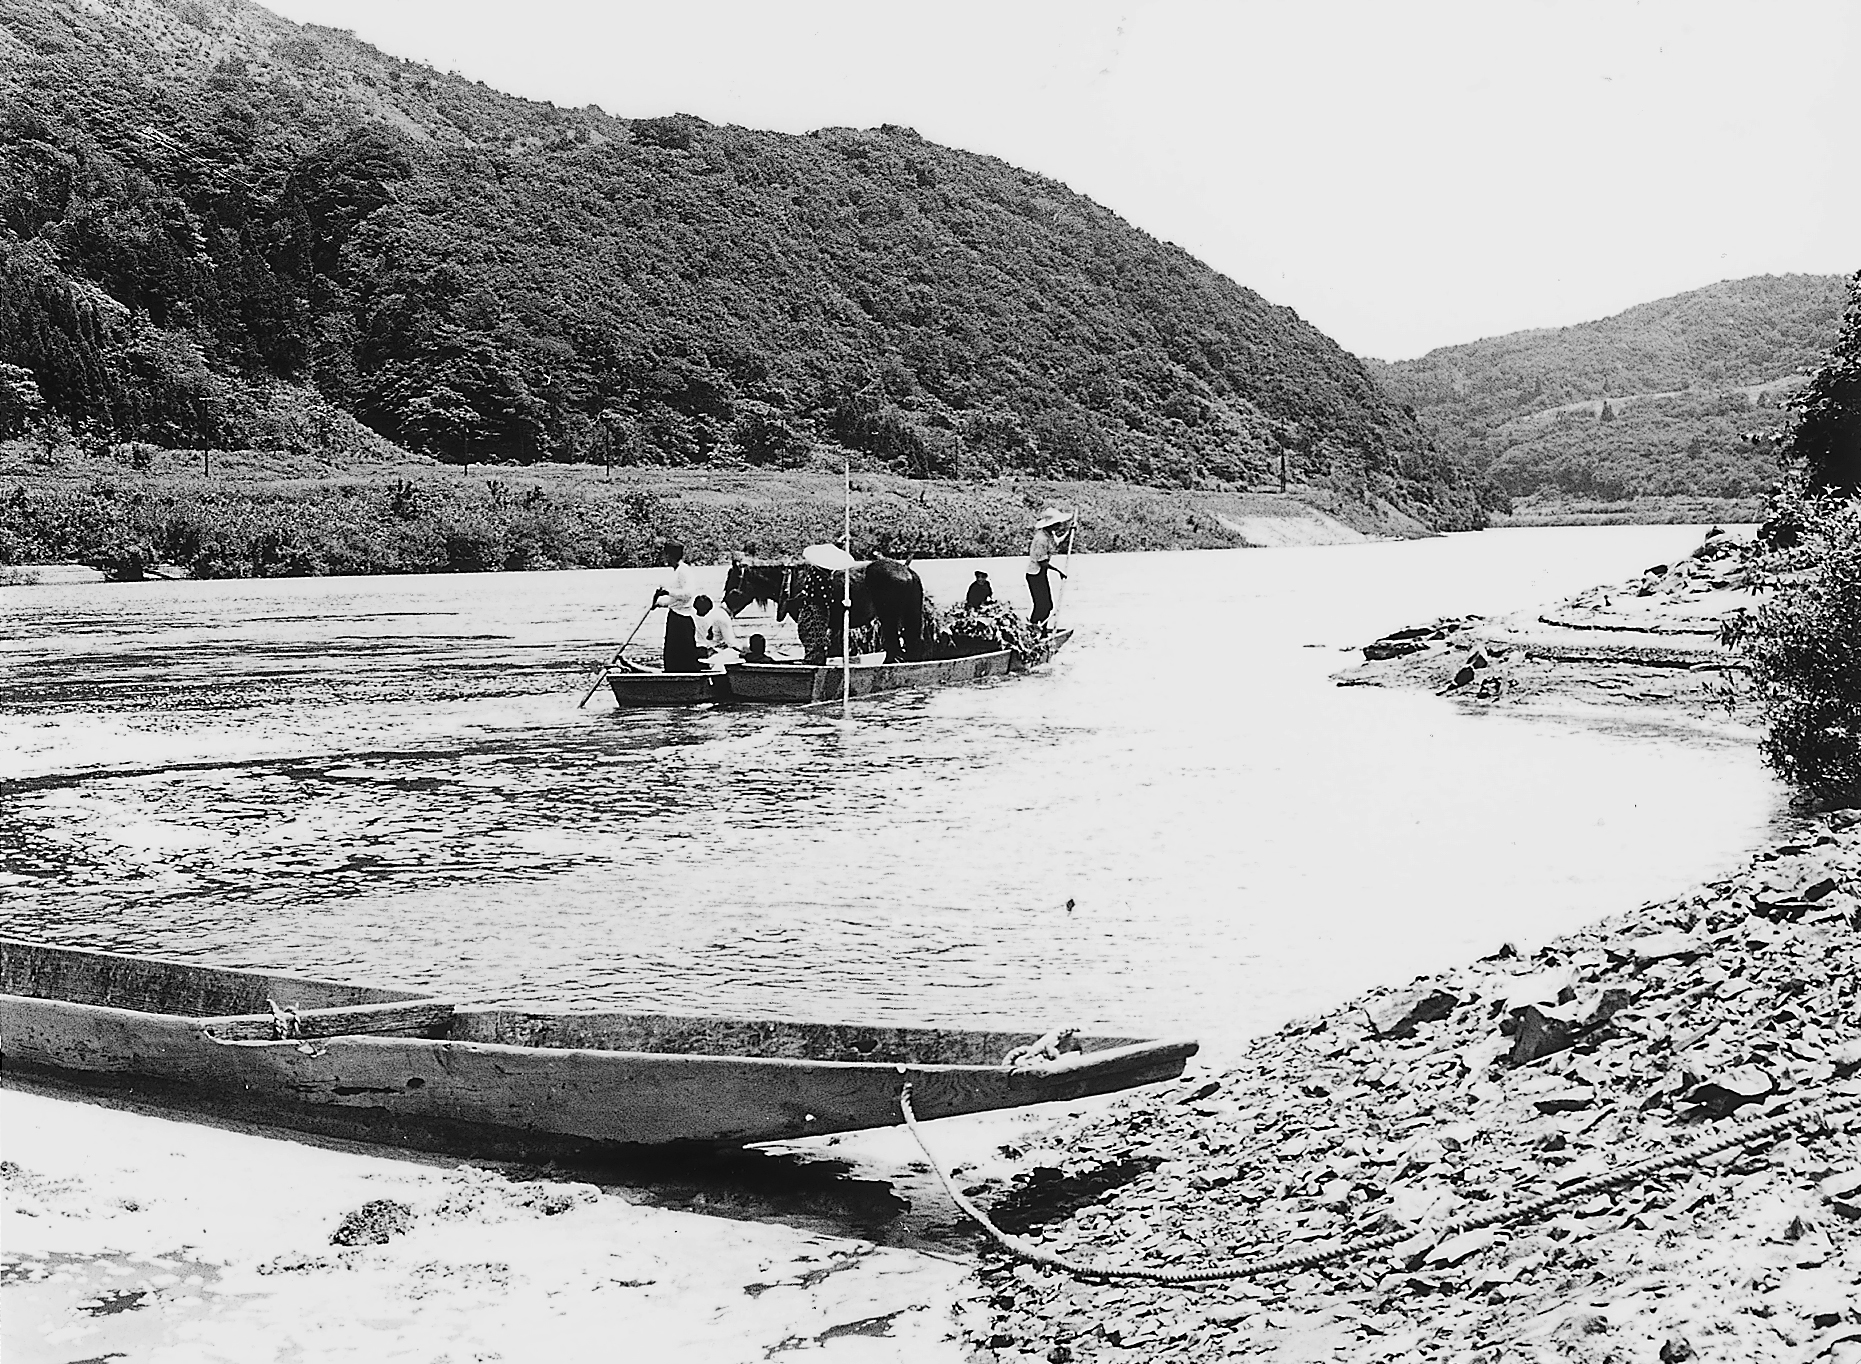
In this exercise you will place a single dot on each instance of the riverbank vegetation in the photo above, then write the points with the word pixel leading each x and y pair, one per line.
pixel 435 519
pixel 1804 644
pixel 222 230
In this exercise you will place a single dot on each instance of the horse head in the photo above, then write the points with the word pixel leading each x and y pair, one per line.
pixel 761 583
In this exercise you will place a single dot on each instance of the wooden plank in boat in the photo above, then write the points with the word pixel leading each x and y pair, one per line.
pixel 413 1018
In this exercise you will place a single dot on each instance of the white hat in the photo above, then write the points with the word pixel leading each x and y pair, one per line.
pixel 830 557
pixel 1052 516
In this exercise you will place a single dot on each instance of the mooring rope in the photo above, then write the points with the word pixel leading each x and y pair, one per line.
pixel 1743 1135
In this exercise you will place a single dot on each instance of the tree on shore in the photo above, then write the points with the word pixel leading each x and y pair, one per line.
pixel 1827 438
pixel 1804 646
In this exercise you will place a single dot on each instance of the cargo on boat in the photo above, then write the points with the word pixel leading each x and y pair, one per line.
pixel 402 1067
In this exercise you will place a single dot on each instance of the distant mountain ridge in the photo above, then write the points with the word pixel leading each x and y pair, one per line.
pixel 1658 400
pixel 224 229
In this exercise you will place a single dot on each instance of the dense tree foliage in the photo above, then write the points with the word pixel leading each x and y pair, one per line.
pixel 1682 396
pixel 1827 438
pixel 1804 644
pixel 197 198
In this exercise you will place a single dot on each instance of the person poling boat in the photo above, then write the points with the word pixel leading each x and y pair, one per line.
pixel 679 598
pixel 1053 534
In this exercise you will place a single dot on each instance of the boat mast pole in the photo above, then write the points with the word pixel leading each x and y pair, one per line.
pixel 846 591
pixel 1066 571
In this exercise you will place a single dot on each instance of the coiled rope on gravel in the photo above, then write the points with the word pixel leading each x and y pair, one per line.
pixel 1742 1135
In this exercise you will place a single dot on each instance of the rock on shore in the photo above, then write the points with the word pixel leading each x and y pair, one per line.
pixel 1523 1074
pixel 1651 641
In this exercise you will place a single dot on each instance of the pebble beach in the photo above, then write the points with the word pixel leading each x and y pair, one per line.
pixel 1520 1076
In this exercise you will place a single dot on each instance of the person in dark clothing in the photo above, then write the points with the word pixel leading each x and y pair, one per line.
pixel 681 654
pixel 980 592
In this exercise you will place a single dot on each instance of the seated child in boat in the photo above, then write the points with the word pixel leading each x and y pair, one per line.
pixel 717 636
pixel 758 652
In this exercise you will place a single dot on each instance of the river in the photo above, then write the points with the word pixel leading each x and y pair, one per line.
pixel 389 779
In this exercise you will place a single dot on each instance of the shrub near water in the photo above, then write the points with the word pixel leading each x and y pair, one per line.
pixel 441 522
pixel 1804 648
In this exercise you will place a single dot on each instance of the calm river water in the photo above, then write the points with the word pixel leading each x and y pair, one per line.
pixel 389 779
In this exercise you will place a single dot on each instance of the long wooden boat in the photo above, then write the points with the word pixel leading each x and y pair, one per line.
pixel 397 1066
pixel 805 683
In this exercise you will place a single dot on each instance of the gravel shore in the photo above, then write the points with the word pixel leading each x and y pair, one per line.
pixel 1518 1076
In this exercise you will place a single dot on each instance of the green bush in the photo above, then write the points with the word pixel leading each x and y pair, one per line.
pixel 1804 648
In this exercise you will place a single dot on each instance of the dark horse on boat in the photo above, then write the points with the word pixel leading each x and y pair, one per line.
pixel 884 590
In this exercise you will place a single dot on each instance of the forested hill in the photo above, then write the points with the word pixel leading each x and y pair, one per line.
pixel 1662 399
pixel 203 202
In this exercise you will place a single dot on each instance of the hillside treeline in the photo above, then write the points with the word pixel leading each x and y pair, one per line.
pixel 221 229
pixel 1684 396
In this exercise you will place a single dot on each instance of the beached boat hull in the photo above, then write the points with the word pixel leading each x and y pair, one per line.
pixel 667 689
pixel 397 1066
pixel 801 684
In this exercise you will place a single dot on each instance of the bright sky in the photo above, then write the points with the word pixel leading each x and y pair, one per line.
pixel 1404 173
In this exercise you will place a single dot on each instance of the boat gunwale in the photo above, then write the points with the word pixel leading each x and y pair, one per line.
pixel 1066 1064
pixel 457 1013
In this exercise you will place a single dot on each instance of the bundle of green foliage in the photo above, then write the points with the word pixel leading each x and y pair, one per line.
pixel 198 198
pixel 983 629
pixel 1804 645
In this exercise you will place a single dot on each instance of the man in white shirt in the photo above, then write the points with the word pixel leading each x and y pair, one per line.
pixel 1052 529
pixel 681 655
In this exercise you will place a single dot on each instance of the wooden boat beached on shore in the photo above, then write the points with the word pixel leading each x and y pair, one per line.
pixel 406 1068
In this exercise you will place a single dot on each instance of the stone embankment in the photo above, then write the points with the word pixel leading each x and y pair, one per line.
pixel 1653 641
pixel 1528 1073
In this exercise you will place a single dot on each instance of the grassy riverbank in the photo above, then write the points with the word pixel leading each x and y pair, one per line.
pixel 1519 1076
pixel 1553 509
pixel 254 516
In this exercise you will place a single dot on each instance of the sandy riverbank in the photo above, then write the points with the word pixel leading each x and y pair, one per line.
pixel 133 1235
pixel 1518 1076
pixel 133 1231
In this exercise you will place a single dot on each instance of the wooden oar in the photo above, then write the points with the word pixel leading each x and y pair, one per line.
pixel 601 676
